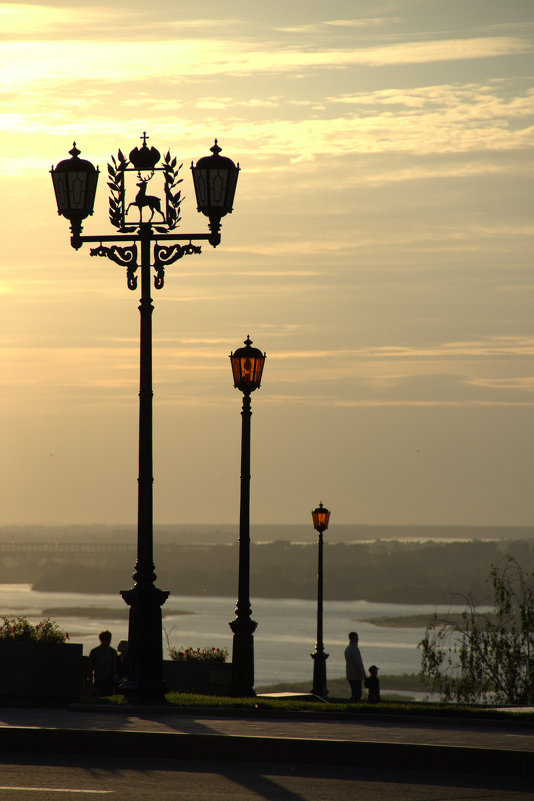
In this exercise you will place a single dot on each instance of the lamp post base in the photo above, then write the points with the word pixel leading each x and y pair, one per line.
pixel 243 657
pixel 145 648
pixel 319 673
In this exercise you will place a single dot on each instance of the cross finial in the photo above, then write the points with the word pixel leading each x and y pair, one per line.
pixel 144 138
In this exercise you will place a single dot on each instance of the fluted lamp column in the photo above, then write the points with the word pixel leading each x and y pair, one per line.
pixel 321 517
pixel 247 369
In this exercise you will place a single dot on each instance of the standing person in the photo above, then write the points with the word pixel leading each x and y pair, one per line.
pixel 355 669
pixel 103 665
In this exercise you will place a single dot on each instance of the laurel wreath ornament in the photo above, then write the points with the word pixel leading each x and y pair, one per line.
pixel 116 184
pixel 116 172
pixel 173 199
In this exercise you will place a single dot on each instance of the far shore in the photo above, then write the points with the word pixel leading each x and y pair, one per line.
pixel 101 612
pixel 407 621
pixel 417 621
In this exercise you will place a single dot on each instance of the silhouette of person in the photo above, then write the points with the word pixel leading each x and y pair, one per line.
pixel 372 682
pixel 103 665
pixel 122 661
pixel 354 666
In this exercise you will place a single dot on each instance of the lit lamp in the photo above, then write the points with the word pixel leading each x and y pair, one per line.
pixel 247 368
pixel 321 517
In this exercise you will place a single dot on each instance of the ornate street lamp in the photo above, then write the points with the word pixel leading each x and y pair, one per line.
pixel 320 516
pixel 75 183
pixel 247 368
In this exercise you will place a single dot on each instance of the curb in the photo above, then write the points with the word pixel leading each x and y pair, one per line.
pixel 158 745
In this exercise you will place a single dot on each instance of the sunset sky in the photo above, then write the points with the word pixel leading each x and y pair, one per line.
pixel 380 252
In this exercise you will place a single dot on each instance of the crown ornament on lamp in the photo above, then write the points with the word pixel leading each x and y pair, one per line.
pixel 144 158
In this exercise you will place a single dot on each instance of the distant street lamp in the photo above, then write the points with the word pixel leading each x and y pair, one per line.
pixel 247 368
pixel 320 516
pixel 75 181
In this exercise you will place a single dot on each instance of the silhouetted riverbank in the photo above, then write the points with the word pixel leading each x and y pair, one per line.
pixel 380 571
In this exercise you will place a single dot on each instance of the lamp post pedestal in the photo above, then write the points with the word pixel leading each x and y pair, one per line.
pixel 243 656
pixel 319 673
pixel 145 647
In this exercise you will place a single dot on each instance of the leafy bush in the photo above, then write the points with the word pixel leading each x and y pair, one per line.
pixel 481 657
pixel 19 629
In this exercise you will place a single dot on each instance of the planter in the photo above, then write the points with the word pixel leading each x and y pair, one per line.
pixel 41 673
pixel 206 678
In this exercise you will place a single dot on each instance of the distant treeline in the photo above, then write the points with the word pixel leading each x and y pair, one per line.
pixel 204 534
pixel 392 572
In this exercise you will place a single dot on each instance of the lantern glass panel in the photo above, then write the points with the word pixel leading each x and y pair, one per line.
pixel 215 189
pixel 320 516
pixel 75 191
pixel 218 188
pixel 231 187
pixel 59 179
pixel 247 369
pixel 200 181
pixel 236 370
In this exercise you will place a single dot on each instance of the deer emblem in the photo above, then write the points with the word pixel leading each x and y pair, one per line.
pixel 142 200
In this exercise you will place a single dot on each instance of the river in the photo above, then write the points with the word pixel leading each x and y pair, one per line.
pixel 284 639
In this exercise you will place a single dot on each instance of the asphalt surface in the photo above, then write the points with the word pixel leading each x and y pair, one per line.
pixel 489 748
pixel 24 777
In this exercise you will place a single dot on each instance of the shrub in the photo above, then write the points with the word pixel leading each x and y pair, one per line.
pixel 19 629
pixel 483 657
pixel 198 654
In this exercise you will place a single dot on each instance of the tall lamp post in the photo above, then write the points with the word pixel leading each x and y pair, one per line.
pixel 247 368
pixel 320 516
pixel 75 182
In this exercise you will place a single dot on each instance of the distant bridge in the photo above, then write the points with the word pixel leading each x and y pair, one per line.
pixel 65 547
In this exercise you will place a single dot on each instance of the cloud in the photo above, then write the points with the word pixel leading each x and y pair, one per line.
pixel 28 21
pixel 319 27
pixel 496 346
pixel 25 20
pixel 26 63
pixel 361 23
pixel 523 383
pixel 443 119
pixel 467 100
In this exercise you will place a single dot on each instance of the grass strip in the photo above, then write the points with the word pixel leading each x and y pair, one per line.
pixel 418 709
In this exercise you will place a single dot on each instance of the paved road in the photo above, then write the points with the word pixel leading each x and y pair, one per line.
pixel 27 778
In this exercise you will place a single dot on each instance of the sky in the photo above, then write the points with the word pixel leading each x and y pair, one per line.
pixel 379 251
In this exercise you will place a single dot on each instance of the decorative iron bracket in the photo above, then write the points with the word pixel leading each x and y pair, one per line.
pixel 168 254
pixel 125 257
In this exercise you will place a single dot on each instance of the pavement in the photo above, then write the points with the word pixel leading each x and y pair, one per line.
pixel 490 747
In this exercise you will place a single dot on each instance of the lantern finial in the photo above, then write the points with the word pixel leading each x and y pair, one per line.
pixel 216 149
